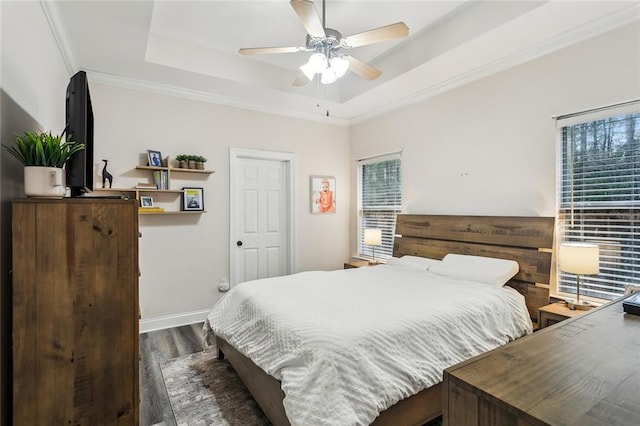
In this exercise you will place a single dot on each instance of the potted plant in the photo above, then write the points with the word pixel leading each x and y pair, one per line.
pixel 44 156
pixel 200 160
pixel 182 161
pixel 191 159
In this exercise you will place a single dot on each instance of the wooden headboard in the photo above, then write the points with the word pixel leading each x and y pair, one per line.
pixel 527 240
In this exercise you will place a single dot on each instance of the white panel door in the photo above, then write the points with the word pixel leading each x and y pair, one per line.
pixel 261 219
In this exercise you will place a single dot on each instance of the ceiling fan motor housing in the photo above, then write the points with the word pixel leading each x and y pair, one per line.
pixel 329 44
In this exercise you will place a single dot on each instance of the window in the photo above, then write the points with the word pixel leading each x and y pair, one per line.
pixel 379 200
pixel 599 191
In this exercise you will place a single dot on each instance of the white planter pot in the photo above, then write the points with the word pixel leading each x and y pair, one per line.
pixel 44 182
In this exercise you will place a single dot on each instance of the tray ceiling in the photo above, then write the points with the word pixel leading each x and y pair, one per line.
pixel 190 48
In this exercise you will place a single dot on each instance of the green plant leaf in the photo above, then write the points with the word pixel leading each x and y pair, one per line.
pixel 42 149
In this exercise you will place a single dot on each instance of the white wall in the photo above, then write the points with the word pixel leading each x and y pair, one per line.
pixel 183 257
pixel 34 75
pixel 33 80
pixel 489 147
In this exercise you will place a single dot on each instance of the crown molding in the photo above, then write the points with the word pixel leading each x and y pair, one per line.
pixel 56 24
pixel 591 29
pixel 585 32
pixel 197 95
pixel 61 36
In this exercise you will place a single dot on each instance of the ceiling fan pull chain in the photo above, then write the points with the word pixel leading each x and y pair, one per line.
pixel 326 92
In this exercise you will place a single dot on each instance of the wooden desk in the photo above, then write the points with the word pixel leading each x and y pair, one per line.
pixel 582 371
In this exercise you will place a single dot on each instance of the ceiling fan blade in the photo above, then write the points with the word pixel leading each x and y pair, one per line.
pixel 363 69
pixel 308 15
pixel 378 35
pixel 300 80
pixel 268 50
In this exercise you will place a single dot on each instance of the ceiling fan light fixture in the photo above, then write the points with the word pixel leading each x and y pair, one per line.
pixel 328 76
pixel 339 65
pixel 308 71
pixel 326 44
pixel 317 63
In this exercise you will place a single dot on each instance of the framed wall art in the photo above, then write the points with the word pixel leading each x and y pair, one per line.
pixel 323 194
pixel 146 201
pixel 192 199
pixel 155 158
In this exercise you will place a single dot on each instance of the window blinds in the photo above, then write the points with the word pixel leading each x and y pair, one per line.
pixel 600 199
pixel 380 200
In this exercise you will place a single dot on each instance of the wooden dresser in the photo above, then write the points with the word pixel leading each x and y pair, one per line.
pixel 582 371
pixel 75 312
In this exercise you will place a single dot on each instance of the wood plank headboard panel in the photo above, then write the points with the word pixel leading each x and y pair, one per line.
pixel 516 231
pixel 527 240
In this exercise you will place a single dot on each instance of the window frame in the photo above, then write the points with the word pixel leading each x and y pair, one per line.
pixel 362 251
pixel 589 214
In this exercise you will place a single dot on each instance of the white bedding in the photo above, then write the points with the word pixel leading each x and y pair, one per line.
pixel 348 344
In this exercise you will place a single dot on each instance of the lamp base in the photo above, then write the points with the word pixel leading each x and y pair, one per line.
pixel 581 305
pixel 374 262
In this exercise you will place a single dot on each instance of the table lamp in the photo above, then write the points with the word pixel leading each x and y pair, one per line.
pixel 373 238
pixel 579 259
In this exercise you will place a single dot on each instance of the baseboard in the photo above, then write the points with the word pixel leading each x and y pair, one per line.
pixel 169 321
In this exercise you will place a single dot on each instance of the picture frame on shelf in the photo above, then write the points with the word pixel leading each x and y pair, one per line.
pixel 146 201
pixel 155 158
pixel 323 194
pixel 192 199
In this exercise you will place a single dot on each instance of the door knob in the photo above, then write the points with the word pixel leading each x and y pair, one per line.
pixel 239 243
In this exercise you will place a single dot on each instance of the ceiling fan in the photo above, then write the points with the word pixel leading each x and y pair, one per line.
pixel 328 45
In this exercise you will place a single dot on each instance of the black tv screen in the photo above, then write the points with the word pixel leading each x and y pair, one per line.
pixel 79 128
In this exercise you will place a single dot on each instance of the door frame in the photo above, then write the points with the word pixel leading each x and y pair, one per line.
pixel 236 154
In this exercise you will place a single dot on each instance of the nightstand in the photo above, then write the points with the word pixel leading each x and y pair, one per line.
pixel 355 263
pixel 554 313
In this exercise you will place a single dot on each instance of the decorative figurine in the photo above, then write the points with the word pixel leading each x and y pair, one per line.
pixel 106 176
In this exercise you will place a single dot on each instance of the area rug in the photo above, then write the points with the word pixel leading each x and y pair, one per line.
pixel 205 391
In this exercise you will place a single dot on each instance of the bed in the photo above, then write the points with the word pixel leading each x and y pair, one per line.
pixel 383 375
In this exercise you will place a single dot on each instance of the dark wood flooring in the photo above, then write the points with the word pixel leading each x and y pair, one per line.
pixel 156 346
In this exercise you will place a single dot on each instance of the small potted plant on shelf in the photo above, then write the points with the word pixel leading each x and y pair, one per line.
pixel 44 156
pixel 191 159
pixel 200 160
pixel 182 161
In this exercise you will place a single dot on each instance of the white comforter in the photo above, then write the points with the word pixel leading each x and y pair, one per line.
pixel 348 344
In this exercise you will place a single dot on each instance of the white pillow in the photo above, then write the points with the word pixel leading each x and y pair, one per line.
pixel 487 270
pixel 416 262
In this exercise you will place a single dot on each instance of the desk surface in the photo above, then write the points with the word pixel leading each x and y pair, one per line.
pixel 582 371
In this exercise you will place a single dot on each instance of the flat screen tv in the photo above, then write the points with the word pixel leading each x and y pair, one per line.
pixel 79 128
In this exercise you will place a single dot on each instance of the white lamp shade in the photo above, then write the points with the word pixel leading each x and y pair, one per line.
pixel 328 76
pixel 330 69
pixel 317 63
pixel 579 258
pixel 308 71
pixel 339 65
pixel 373 237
